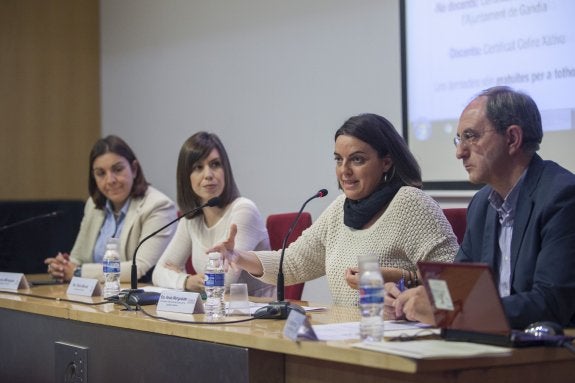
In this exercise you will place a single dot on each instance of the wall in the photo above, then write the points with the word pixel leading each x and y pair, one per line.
pixel 49 97
pixel 274 79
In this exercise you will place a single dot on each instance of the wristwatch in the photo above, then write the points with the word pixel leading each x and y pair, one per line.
pixel 78 271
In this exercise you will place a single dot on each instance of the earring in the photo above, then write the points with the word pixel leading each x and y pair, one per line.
pixel 387 178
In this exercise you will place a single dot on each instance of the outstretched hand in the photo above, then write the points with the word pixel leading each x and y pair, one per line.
pixel 226 249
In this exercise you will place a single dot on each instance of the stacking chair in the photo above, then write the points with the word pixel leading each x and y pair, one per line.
pixel 457 217
pixel 278 225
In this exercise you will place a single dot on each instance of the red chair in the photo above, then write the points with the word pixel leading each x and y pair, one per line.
pixel 189 267
pixel 457 217
pixel 278 225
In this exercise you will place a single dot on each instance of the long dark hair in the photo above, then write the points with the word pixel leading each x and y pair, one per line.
pixel 197 148
pixel 114 144
pixel 382 136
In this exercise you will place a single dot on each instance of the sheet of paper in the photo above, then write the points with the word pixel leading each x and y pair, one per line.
pixel 402 325
pixel 429 349
pixel 405 329
pixel 337 331
pixel 314 308
pixel 350 330
pixel 154 289
pixel 254 306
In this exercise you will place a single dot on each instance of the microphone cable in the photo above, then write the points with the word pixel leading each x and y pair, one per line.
pixel 57 299
pixel 127 308
pixel 159 317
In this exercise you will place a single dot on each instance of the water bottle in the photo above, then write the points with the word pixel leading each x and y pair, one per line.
pixel 111 268
pixel 214 306
pixel 371 295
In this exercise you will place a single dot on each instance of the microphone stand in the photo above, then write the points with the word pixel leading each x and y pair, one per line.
pixel 135 296
pixel 281 308
pixel 31 219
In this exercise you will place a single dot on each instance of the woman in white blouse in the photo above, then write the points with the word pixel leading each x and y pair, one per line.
pixel 204 172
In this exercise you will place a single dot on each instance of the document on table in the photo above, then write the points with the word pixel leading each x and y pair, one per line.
pixel 407 329
pixel 337 331
pixel 429 349
pixel 350 330
pixel 256 305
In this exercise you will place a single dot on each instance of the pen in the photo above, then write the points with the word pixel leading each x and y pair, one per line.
pixel 401 284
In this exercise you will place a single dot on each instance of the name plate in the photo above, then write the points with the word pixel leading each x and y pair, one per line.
pixel 86 287
pixel 298 327
pixel 13 281
pixel 185 302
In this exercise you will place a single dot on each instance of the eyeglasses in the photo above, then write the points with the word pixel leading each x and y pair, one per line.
pixel 469 138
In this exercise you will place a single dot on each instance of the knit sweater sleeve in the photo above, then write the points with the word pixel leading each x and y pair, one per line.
pixel 304 259
pixel 423 231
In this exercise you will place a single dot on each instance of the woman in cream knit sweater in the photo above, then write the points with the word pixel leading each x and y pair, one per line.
pixel 382 212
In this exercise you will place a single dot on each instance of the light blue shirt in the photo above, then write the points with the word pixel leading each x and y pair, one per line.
pixel 506 209
pixel 111 228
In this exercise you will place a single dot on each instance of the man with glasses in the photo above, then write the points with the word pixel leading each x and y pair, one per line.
pixel 520 222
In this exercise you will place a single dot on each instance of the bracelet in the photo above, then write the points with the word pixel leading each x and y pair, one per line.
pixel 186 282
pixel 412 281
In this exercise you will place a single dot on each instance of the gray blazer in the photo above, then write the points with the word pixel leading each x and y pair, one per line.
pixel 145 215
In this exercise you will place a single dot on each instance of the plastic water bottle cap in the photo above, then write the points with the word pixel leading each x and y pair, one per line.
pixel 214 256
pixel 113 243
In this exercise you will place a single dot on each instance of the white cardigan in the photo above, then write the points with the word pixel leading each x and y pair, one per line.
pixel 193 238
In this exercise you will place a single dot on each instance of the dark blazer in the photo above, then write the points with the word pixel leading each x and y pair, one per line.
pixel 542 246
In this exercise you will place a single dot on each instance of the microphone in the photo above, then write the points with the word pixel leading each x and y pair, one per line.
pixel 280 309
pixel 135 296
pixel 31 219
